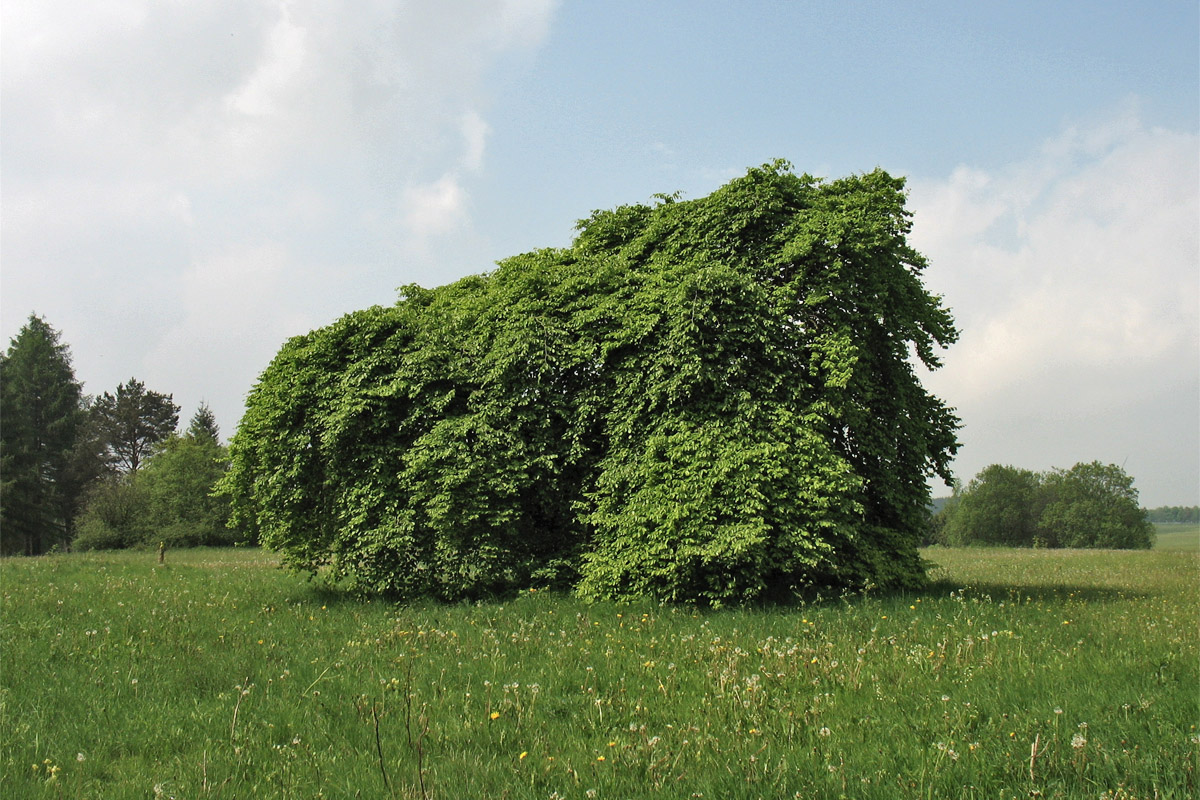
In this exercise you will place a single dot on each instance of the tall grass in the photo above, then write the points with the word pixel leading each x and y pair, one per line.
pixel 1019 674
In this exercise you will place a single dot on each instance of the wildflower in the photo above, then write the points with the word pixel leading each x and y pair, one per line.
pixel 824 732
pixel 599 758
pixel 523 753
pixel 80 757
pixel 1078 741
pixel 945 698
pixel 495 715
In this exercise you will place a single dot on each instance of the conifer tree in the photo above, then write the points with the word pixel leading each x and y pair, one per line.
pixel 41 412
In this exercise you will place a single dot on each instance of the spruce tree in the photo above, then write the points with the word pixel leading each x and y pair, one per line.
pixel 41 409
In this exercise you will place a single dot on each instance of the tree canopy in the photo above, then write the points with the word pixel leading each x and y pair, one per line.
pixel 132 421
pixel 1090 505
pixel 706 400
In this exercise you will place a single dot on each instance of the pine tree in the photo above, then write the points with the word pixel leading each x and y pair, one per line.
pixel 42 411
pixel 204 425
pixel 133 421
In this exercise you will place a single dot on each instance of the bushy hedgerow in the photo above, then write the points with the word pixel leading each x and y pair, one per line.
pixel 709 400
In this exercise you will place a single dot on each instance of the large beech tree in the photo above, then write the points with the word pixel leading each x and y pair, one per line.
pixel 708 400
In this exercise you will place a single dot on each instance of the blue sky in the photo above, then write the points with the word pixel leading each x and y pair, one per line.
pixel 186 185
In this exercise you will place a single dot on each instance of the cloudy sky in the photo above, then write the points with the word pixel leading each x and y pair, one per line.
pixel 188 183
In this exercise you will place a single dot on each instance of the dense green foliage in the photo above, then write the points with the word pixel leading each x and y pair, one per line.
pixel 41 406
pixel 707 400
pixel 217 675
pixel 169 499
pixel 1089 505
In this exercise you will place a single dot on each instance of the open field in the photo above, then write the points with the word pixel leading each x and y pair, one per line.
pixel 1177 537
pixel 220 676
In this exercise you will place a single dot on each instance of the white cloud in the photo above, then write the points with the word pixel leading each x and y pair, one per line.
pixel 434 208
pixel 187 183
pixel 474 133
pixel 1074 280
pixel 276 73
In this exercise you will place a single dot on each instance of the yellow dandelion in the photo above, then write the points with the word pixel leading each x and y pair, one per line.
pixel 523 754
pixel 495 715
pixel 599 758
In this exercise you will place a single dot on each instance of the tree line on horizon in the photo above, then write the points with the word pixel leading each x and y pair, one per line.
pixel 79 472
pixel 1186 515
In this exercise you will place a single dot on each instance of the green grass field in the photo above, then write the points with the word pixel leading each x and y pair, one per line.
pixel 1177 537
pixel 1018 674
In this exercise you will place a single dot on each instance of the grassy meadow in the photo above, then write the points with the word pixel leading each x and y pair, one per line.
pixel 217 675
pixel 1170 536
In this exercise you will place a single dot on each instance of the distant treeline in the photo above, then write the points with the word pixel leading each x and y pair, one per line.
pixel 1187 514
pixel 1088 505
